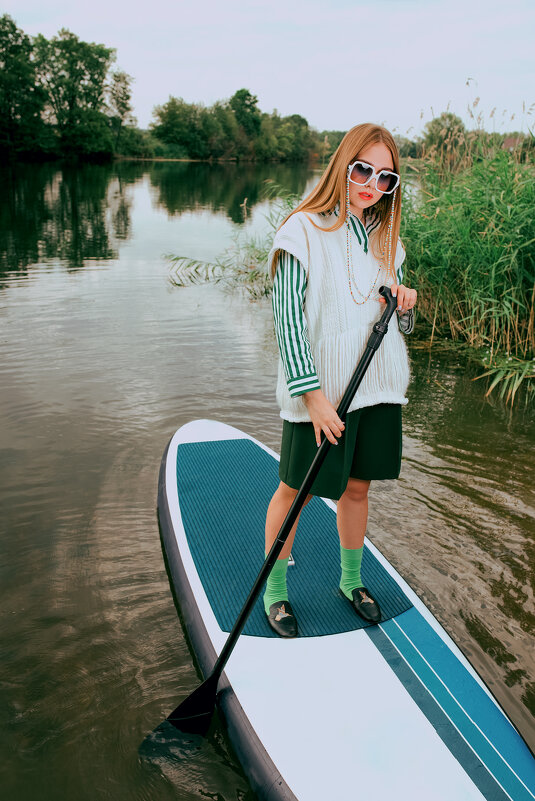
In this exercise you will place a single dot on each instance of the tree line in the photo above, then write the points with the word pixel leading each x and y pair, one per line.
pixel 62 97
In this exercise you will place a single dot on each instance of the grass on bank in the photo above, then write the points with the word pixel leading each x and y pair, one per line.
pixel 471 241
pixel 469 231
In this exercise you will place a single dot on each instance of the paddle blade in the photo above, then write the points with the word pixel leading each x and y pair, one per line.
pixel 195 713
pixel 166 746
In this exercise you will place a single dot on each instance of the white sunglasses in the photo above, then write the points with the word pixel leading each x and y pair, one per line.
pixel 361 173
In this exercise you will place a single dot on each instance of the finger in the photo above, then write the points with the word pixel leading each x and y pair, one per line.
pixel 317 434
pixel 337 426
pixel 336 430
pixel 401 296
pixel 330 436
pixel 394 290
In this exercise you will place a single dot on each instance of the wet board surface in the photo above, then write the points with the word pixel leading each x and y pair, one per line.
pixel 392 710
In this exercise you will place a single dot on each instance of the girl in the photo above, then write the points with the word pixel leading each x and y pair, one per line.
pixel 328 260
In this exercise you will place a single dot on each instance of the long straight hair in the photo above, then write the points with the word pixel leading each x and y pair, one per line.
pixel 332 186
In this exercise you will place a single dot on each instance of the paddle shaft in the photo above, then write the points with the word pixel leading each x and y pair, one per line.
pixel 376 337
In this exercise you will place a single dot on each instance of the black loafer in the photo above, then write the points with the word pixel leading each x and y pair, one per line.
pixel 365 605
pixel 282 620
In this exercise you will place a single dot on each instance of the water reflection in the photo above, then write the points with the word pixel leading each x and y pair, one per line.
pixel 50 213
pixel 182 187
pixel 75 213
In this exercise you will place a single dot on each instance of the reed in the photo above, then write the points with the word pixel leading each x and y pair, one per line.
pixel 469 229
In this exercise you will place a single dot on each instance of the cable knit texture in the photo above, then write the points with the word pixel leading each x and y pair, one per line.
pixel 339 328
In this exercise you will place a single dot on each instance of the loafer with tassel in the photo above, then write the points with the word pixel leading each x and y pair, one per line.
pixel 282 620
pixel 365 605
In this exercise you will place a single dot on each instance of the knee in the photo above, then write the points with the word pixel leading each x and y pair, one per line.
pixel 356 490
pixel 287 494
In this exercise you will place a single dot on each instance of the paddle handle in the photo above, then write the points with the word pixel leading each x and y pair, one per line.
pixel 376 337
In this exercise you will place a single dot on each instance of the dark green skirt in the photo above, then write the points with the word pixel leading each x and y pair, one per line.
pixel 369 449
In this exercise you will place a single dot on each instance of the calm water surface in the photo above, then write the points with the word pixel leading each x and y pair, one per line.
pixel 101 360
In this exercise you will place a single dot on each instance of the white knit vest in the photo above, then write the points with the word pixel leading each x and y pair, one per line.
pixel 339 328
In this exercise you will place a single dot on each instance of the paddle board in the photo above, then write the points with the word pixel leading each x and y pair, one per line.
pixel 347 709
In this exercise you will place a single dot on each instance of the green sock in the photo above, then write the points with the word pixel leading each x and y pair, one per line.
pixel 276 584
pixel 350 561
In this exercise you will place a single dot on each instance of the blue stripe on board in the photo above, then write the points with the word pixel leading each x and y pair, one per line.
pixel 467 705
pixel 473 766
pixel 471 696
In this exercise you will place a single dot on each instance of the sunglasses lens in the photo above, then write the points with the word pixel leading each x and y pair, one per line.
pixel 386 181
pixel 360 173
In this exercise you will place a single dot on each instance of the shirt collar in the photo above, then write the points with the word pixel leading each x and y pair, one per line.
pixel 361 231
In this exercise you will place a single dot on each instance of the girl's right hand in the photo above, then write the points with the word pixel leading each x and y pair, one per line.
pixel 323 416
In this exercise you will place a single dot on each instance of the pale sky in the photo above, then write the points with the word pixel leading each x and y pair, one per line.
pixel 337 63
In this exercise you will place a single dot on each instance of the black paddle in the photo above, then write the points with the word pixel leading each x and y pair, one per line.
pixel 195 713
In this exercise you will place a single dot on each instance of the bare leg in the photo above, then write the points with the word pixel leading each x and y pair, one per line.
pixel 277 511
pixel 352 513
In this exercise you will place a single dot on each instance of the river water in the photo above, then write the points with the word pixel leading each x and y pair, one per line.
pixel 101 360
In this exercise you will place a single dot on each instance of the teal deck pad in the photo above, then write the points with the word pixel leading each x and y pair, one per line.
pixel 224 488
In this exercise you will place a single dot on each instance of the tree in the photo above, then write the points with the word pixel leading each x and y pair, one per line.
pixel 440 130
pixel 175 123
pixel 248 115
pixel 119 103
pixel 300 138
pixel 447 143
pixel 227 127
pixel 73 74
pixel 407 147
pixel 21 101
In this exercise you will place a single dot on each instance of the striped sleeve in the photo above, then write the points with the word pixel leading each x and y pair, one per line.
pixel 289 289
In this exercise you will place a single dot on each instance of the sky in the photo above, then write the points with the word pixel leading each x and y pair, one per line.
pixel 335 62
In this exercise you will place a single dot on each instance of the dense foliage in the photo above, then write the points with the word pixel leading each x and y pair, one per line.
pixel 236 129
pixel 62 97
pixel 59 96
pixel 21 98
pixel 472 246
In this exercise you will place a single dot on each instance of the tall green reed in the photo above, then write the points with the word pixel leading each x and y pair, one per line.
pixel 471 241
pixel 469 230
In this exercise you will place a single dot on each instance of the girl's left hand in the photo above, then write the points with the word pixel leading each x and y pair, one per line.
pixel 406 297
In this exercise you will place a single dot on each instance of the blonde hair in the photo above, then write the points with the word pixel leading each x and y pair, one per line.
pixel 332 188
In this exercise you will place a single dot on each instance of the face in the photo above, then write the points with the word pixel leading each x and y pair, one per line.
pixel 362 197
